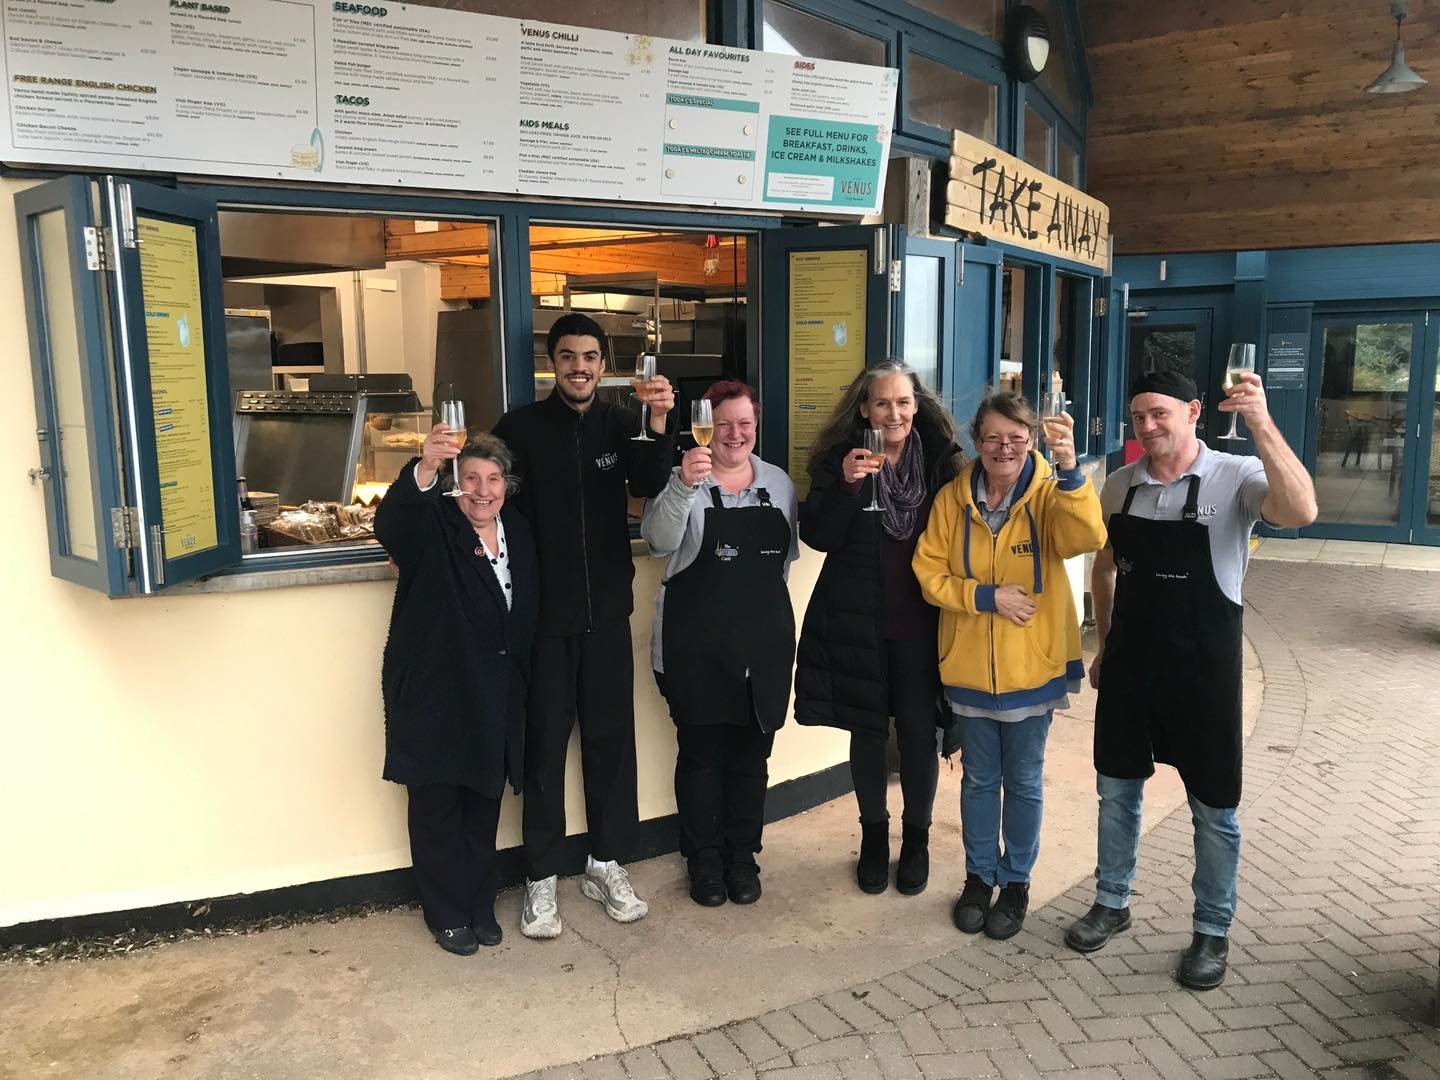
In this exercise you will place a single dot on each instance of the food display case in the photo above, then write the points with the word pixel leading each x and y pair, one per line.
pixel 327 453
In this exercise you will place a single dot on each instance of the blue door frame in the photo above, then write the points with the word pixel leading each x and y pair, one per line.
pixel 1409 464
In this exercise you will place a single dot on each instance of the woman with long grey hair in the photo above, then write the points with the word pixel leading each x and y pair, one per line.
pixel 867 646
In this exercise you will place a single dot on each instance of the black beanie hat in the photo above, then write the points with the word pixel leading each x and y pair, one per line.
pixel 1170 383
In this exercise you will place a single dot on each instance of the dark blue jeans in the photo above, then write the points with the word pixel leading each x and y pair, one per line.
pixel 1006 758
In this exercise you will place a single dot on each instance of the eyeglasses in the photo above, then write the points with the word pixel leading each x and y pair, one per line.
pixel 994 442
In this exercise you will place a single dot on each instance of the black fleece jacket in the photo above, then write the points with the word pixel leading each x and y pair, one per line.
pixel 573 469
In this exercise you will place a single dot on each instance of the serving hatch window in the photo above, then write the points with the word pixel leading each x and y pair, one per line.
pixel 344 331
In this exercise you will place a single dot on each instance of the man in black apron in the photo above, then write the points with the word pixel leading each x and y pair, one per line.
pixel 1168 609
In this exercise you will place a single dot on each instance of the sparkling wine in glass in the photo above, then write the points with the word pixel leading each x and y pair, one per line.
pixel 452 415
pixel 875 448
pixel 644 372
pixel 1242 360
pixel 1052 409
pixel 702 422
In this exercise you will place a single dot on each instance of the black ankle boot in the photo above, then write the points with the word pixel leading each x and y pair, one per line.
pixel 912 872
pixel 872 872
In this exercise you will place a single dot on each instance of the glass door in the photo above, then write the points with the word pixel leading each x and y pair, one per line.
pixel 1364 442
pixel 1427 530
pixel 1178 340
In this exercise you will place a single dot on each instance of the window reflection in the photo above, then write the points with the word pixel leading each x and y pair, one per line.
pixel 945 98
pixel 788 30
pixel 73 456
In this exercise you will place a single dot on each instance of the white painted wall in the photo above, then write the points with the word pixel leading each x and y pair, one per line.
pixel 174 748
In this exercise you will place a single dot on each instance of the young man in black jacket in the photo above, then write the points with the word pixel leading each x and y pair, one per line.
pixel 575 454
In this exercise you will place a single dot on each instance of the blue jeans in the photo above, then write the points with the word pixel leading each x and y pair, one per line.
pixel 996 756
pixel 1217 853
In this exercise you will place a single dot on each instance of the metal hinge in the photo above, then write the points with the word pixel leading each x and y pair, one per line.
pixel 124 526
pixel 98 245
pixel 1102 305
pixel 1097 425
pixel 895 275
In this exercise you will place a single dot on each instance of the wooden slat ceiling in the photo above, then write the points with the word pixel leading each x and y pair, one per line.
pixel 463 252
pixel 1243 124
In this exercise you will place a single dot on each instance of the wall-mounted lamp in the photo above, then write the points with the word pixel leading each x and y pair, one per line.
pixel 1027 42
pixel 1398 77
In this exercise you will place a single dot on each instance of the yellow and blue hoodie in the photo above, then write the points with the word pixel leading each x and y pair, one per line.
pixel 985 659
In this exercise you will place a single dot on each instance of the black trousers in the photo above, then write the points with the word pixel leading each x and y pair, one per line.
pixel 913 672
pixel 589 678
pixel 721 777
pixel 452 846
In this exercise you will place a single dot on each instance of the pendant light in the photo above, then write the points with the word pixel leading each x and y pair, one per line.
pixel 1398 77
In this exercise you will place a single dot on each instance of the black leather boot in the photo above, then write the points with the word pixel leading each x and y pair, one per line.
pixel 872 871
pixel 1008 915
pixel 1096 927
pixel 973 906
pixel 912 872
pixel 1202 965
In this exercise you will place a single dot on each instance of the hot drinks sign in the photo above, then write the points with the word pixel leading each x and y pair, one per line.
pixel 995 195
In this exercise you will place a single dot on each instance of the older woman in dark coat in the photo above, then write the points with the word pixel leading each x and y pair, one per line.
pixel 867 646
pixel 456 672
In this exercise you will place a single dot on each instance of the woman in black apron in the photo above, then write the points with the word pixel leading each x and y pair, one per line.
pixel 724 642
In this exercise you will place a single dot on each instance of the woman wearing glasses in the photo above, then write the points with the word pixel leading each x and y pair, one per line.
pixel 992 558
pixel 867 646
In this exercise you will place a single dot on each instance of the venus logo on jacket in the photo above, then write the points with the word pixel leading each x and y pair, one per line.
pixel 1022 548
pixel 607 461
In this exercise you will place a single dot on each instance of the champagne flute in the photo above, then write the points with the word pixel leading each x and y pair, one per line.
pixel 875 448
pixel 1242 359
pixel 1052 408
pixel 644 372
pixel 452 415
pixel 702 422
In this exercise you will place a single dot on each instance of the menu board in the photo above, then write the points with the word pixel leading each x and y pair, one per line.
pixel 827 343
pixel 401 95
pixel 175 339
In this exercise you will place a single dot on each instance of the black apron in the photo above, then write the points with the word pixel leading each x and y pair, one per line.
pixel 729 612
pixel 1170 680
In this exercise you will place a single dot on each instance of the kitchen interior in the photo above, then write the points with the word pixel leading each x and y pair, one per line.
pixel 344 331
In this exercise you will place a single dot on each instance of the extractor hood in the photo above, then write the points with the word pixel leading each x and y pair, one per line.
pixel 254 244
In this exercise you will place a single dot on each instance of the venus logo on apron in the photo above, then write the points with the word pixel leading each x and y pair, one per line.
pixel 724 552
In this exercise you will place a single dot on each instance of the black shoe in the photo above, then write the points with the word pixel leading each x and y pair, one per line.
pixel 872 872
pixel 1202 965
pixel 973 905
pixel 912 872
pixel 742 883
pixel 1008 915
pixel 487 931
pixel 1094 929
pixel 707 883
pixel 460 941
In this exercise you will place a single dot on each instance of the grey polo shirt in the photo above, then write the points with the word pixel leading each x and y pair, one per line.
pixel 674 525
pixel 1232 487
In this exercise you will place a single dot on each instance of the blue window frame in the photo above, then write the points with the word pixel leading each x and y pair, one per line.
pixel 120 532
pixel 79 468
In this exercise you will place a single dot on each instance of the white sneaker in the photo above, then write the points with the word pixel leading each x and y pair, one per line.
pixel 610 886
pixel 540 917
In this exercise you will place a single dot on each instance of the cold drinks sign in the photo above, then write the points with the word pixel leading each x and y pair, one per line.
pixel 424 97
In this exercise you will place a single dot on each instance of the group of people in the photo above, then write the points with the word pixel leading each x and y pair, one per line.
pixel 943 606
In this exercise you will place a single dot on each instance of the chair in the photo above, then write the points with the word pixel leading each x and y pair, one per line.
pixel 1359 431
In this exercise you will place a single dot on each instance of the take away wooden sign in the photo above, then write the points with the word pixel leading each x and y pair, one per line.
pixel 996 195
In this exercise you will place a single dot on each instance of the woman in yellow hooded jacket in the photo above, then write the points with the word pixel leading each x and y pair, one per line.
pixel 992 559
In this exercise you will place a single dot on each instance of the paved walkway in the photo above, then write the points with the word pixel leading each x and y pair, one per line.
pixel 1334 952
